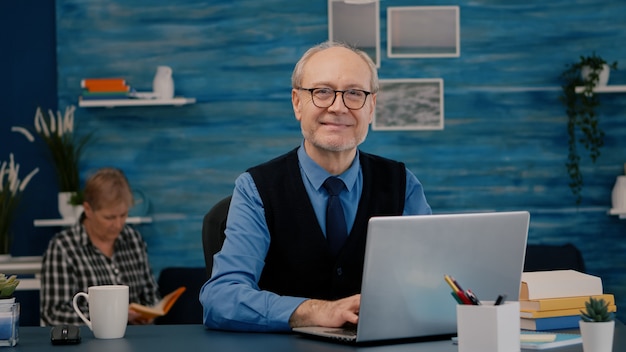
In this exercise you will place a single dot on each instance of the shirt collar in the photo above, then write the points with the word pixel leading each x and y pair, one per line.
pixel 317 175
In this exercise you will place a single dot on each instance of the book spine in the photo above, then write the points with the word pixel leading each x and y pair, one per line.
pixel 558 313
pixel 105 96
pixel 554 323
pixel 562 303
pixel 87 82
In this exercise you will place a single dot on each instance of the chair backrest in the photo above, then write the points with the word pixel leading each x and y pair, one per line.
pixel 553 257
pixel 213 228
pixel 187 309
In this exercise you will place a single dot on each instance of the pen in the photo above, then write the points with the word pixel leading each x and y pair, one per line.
pixel 500 300
pixel 472 297
pixel 456 298
pixel 463 297
pixel 451 283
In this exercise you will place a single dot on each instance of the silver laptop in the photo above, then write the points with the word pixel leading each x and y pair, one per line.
pixel 404 294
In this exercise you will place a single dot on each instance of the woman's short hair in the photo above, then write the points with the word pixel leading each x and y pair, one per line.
pixel 107 186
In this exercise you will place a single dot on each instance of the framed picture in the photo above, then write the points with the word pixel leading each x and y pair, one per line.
pixel 356 23
pixel 423 31
pixel 409 104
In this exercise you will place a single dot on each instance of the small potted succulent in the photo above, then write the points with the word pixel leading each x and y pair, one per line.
pixel 597 326
pixel 7 287
pixel 9 311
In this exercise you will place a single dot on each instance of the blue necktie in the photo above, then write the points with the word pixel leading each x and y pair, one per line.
pixel 336 232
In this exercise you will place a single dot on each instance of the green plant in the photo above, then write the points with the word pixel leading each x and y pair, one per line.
pixel 11 188
pixel 596 310
pixel 582 117
pixel 65 148
pixel 8 285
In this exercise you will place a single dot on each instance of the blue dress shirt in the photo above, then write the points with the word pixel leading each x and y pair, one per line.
pixel 232 299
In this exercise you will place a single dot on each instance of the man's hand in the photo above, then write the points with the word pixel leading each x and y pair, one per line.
pixel 329 314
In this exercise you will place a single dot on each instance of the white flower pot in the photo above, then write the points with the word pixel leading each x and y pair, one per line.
pixel 618 195
pixel 603 76
pixel 597 337
pixel 66 209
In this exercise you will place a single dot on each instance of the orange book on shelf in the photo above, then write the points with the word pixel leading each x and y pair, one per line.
pixel 105 84
pixel 161 308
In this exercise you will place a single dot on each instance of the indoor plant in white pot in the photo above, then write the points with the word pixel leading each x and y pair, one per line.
pixel 597 326
pixel 9 311
pixel 66 150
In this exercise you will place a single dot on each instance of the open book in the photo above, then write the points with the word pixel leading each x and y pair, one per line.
pixel 161 308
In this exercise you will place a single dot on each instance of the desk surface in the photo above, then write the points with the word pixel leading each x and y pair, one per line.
pixel 198 338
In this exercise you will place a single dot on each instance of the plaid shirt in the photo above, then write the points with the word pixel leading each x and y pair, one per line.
pixel 72 263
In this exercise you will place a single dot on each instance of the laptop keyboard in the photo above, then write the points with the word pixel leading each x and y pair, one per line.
pixel 347 333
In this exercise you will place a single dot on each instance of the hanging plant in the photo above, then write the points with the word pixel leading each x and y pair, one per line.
pixel 582 123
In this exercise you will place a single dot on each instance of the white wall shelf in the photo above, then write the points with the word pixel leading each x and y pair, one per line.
pixel 176 101
pixel 70 222
pixel 619 212
pixel 605 89
pixel 27 265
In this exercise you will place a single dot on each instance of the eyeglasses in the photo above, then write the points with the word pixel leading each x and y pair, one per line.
pixel 353 99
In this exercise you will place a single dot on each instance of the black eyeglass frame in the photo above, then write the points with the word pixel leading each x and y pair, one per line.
pixel 343 99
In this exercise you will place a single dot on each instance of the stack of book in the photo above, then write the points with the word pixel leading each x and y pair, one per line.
pixel 104 88
pixel 552 300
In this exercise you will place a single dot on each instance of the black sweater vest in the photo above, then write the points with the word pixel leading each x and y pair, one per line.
pixel 299 262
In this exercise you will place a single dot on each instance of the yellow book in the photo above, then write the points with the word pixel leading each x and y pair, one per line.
pixel 561 302
pixel 161 308
pixel 558 313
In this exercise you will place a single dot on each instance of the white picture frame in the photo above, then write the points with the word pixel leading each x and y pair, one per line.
pixel 409 104
pixel 356 23
pixel 423 31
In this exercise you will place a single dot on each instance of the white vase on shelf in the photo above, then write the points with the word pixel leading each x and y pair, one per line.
pixel 618 195
pixel 163 83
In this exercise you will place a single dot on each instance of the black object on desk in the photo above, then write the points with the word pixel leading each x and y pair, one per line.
pixel 65 335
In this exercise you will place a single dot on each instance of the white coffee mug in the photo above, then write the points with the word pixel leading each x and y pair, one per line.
pixel 108 310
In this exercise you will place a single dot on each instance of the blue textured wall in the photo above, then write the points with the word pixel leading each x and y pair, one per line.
pixel 503 146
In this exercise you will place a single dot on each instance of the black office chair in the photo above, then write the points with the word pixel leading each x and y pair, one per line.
pixel 213 228
pixel 187 309
pixel 553 257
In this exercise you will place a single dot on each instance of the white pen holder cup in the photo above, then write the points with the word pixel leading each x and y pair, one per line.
pixel 108 310
pixel 488 328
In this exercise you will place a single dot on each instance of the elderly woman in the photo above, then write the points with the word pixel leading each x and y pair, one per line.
pixel 100 249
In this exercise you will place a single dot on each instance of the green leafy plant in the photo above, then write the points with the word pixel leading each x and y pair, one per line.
pixel 8 285
pixel 596 310
pixel 582 117
pixel 65 148
pixel 11 188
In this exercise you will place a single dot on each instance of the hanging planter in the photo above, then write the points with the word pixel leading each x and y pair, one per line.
pixel 582 121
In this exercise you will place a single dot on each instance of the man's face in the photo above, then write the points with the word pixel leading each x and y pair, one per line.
pixel 335 128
